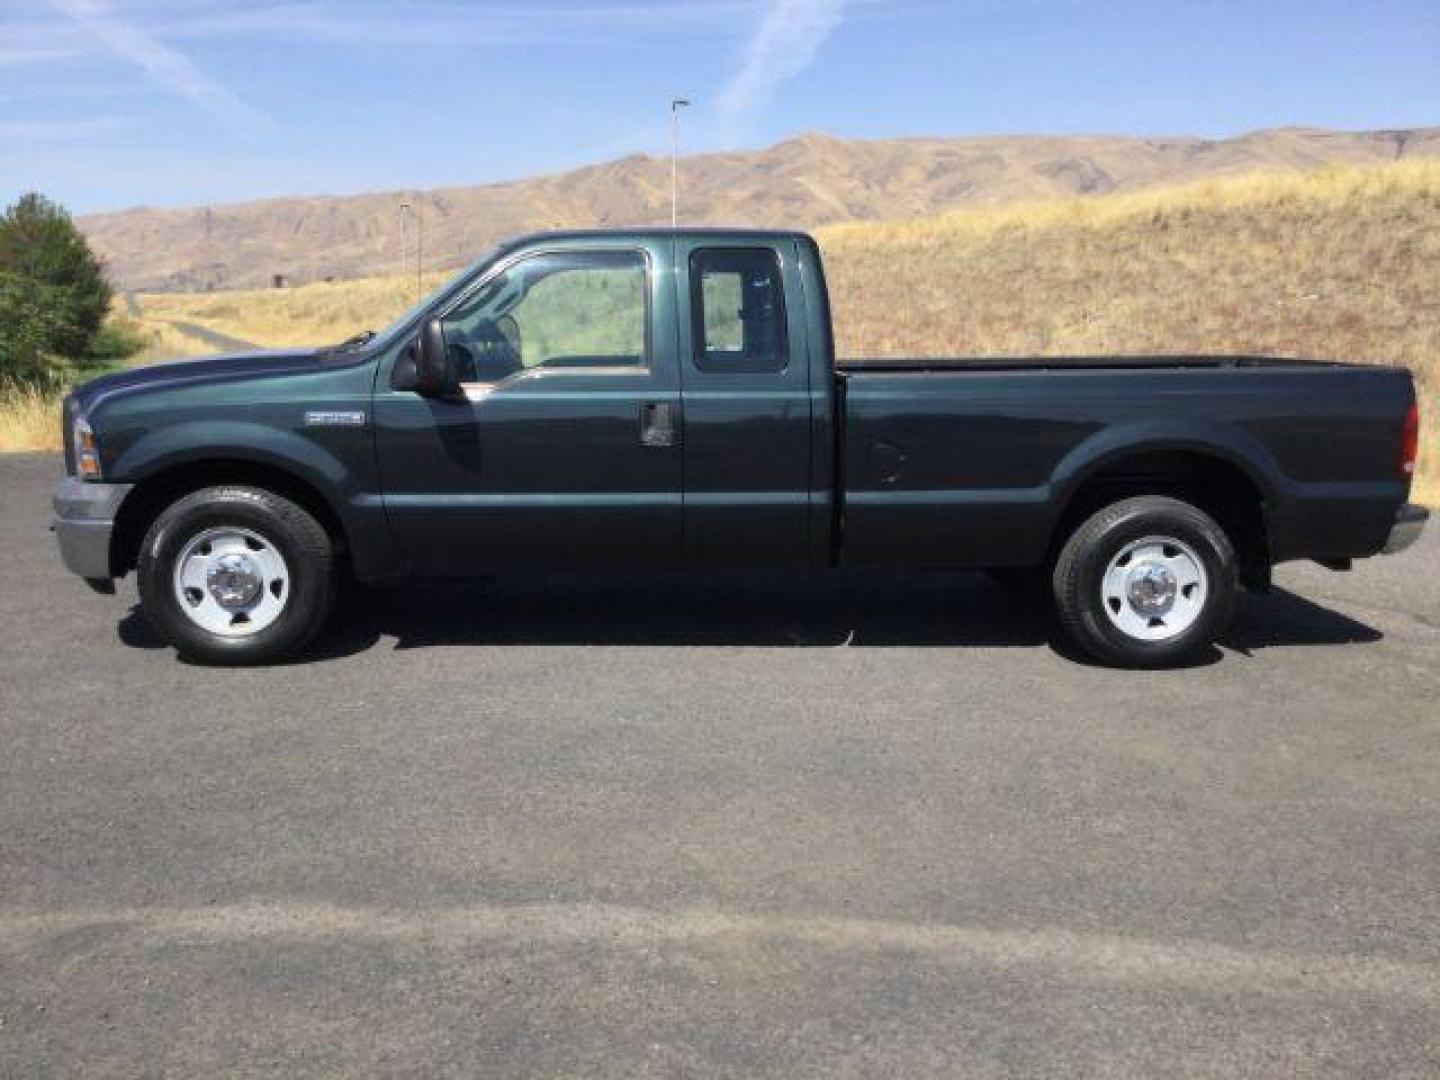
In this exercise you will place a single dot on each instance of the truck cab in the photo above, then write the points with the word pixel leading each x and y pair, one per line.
pixel 616 401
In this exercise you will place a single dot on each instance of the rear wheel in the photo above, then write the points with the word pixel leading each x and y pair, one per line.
pixel 236 575
pixel 1146 582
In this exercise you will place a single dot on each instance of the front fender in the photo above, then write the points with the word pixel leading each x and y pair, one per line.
pixel 326 470
pixel 164 448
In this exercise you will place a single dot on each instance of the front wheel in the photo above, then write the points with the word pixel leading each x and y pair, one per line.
pixel 1146 582
pixel 236 575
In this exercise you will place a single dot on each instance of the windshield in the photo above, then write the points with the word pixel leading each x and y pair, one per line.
pixel 447 288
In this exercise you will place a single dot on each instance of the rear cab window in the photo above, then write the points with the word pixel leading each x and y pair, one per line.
pixel 737 305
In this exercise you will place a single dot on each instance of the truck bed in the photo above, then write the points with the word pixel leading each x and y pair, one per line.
pixel 966 462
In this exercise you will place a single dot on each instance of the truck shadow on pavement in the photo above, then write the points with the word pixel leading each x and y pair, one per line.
pixel 755 610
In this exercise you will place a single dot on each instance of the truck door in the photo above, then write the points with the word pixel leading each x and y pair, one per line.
pixel 563 451
pixel 747 404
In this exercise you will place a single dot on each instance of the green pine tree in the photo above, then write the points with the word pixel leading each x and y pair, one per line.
pixel 53 295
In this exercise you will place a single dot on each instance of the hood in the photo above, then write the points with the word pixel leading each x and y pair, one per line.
pixel 227 368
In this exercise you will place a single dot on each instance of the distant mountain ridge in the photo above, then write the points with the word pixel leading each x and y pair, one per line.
pixel 804 182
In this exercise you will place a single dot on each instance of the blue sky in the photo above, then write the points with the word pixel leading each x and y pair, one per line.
pixel 181 102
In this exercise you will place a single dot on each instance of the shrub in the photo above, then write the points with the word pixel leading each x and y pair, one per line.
pixel 36 322
pixel 53 297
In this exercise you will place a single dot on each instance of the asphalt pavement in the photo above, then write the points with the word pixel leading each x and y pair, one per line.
pixel 762 826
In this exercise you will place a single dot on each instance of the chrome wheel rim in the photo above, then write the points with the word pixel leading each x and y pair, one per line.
pixel 1154 589
pixel 231 581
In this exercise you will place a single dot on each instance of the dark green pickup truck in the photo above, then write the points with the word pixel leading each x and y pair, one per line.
pixel 670 399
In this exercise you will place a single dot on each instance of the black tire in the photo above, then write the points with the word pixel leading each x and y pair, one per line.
pixel 1078 580
pixel 296 535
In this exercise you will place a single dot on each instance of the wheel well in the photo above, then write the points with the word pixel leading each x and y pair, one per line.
pixel 153 494
pixel 1223 490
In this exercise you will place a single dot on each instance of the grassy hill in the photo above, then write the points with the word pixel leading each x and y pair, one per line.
pixel 803 182
pixel 1343 263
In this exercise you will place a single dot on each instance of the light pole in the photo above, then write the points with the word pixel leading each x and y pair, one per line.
pixel 675 107
pixel 419 247
pixel 404 209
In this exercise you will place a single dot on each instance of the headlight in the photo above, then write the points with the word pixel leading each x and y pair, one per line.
pixel 87 453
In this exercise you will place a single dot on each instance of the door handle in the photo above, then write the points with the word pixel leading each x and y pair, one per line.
pixel 657 423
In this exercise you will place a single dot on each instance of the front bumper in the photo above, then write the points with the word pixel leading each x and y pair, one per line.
pixel 1409 523
pixel 84 521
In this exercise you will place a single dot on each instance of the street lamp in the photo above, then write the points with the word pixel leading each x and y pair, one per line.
pixel 418 210
pixel 419 247
pixel 675 107
pixel 404 209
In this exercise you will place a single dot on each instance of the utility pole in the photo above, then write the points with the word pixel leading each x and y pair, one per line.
pixel 675 106
pixel 404 209
pixel 419 246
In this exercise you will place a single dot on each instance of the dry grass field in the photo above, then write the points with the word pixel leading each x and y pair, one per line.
pixel 30 418
pixel 324 312
pixel 1342 263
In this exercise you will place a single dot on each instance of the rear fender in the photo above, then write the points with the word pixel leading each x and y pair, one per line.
pixel 1224 442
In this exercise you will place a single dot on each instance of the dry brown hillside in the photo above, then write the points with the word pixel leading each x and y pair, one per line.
pixel 804 182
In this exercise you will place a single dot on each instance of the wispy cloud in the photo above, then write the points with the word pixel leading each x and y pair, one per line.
pixel 60 130
pixel 435 23
pixel 432 23
pixel 16 57
pixel 165 65
pixel 786 42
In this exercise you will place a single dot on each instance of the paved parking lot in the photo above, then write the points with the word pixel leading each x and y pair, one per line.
pixel 727 827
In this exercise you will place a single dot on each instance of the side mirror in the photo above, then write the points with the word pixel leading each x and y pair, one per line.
pixel 425 367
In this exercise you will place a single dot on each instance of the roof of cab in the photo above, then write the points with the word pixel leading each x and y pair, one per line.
pixel 656 232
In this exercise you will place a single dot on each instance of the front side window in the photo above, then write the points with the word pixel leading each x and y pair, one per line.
pixel 558 310
pixel 739 310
